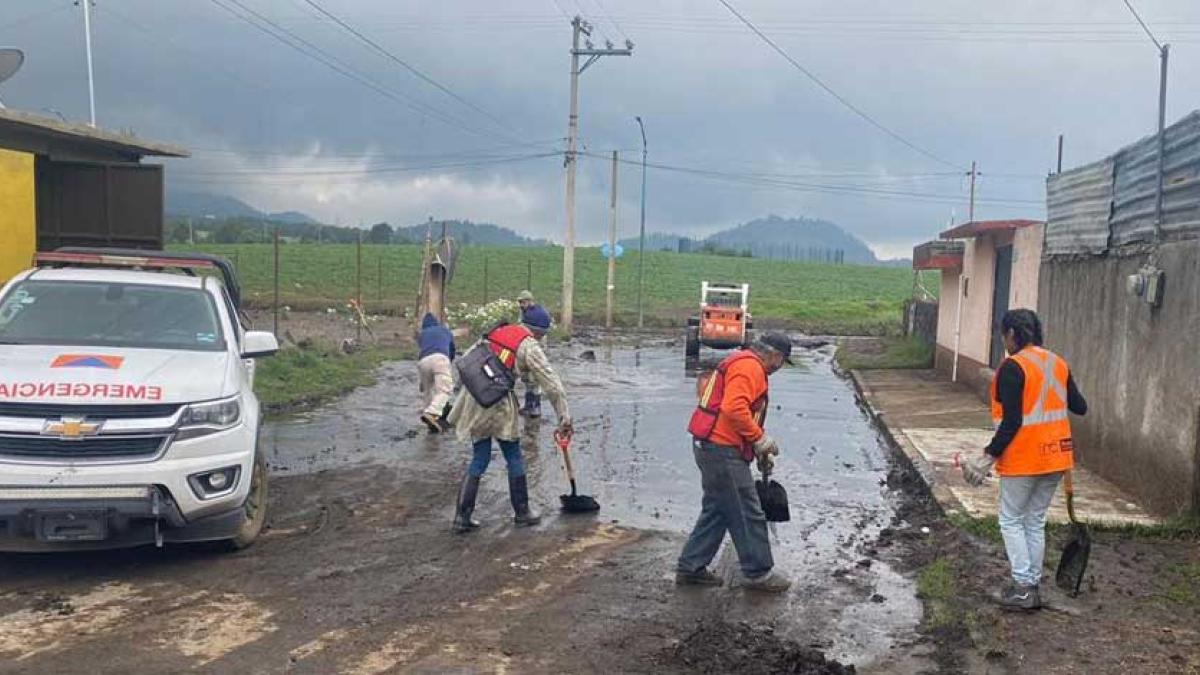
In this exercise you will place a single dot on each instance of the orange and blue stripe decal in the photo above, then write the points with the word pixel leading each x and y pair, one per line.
pixel 87 361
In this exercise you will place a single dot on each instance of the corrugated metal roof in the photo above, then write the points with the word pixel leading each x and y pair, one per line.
pixel 15 120
pixel 1135 185
pixel 978 227
pixel 1078 205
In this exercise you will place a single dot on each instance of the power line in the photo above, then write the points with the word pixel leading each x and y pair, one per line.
pixel 870 120
pixel 831 188
pixel 404 64
pixel 1144 26
pixel 35 16
pixel 318 173
pixel 609 17
pixel 298 43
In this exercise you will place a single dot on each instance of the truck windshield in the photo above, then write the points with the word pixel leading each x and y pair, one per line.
pixel 99 314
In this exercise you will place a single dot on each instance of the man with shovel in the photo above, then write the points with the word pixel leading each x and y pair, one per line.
pixel 1031 449
pixel 727 434
pixel 517 354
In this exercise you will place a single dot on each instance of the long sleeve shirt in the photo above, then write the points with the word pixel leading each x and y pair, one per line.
pixel 745 383
pixel 1010 388
pixel 473 421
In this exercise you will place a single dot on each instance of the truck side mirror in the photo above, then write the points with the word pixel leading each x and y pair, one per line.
pixel 259 343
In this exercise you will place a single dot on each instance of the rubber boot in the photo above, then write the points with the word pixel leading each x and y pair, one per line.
pixel 518 492
pixel 466 505
pixel 533 405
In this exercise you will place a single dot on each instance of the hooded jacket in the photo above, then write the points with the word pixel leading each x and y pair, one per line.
pixel 435 338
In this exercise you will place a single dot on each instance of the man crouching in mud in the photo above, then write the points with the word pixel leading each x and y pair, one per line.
pixel 727 433
pixel 518 352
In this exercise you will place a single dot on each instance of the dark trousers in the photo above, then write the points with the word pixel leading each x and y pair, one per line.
pixel 730 504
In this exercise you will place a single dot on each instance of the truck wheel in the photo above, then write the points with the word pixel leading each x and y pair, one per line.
pixel 255 507
pixel 691 345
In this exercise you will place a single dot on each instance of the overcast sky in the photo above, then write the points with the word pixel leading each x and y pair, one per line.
pixel 961 81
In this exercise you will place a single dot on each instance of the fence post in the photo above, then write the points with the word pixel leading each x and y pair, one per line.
pixel 485 279
pixel 379 279
pixel 358 287
pixel 529 275
pixel 275 311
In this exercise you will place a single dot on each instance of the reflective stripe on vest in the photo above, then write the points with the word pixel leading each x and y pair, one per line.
pixel 504 342
pixel 1043 443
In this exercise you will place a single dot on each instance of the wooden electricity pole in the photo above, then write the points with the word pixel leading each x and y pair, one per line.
pixel 612 248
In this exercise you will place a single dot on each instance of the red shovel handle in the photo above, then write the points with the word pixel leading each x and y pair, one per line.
pixel 562 438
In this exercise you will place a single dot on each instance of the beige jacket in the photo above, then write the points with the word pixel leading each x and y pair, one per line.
pixel 473 422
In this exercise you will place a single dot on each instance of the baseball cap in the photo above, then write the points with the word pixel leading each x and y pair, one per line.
pixel 780 343
pixel 525 295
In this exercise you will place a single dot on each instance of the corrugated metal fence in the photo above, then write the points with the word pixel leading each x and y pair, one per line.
pixel 1111 203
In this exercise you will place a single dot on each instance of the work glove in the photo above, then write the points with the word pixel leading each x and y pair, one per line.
pixel 977 468
pixel 565 425
pixel 765 450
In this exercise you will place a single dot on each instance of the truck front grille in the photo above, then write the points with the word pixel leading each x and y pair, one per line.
pixel 104 412
pixel 96 447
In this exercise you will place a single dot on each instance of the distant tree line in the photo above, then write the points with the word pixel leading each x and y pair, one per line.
pixel 240 230
pixel 769 251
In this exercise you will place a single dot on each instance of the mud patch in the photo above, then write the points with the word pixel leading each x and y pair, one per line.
pixel 55 620
pixel 720 647
pixel 218 625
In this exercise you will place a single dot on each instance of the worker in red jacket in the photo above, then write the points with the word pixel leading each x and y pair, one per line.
pixel 727 434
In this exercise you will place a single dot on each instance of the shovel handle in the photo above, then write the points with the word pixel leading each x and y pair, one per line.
pixel 1069 488
pixel 566 455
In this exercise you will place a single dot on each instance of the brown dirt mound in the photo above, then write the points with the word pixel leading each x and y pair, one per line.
pixel 720 647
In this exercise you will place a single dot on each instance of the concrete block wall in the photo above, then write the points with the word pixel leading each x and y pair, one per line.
pixel 1138 367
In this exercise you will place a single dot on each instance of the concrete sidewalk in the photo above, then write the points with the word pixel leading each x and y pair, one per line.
pixel 932 420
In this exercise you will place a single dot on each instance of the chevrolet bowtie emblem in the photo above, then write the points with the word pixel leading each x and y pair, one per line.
pixel 71 428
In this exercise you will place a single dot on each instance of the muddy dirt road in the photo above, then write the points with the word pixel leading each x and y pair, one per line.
pixel 359 573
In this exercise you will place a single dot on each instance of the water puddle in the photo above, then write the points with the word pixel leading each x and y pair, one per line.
pixel 631 406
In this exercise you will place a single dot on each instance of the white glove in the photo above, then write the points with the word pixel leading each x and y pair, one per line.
pixel 977 468
pixel 765 450
pixel 765 445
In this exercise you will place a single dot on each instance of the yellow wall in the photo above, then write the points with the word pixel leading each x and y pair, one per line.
pixel 18 219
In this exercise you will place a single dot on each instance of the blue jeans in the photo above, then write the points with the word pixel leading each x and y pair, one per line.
pixel 483 456
pixel 1024 501
pixel 730 504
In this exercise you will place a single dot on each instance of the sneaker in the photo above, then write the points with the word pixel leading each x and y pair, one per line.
pixel 1017 597
pixel 702 577
pixel 771 582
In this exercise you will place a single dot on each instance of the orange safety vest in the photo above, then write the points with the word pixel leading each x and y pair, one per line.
pixel 712 392
pixel 1043 443
pixel 504 341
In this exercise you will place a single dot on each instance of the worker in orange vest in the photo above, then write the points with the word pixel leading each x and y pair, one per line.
pixel 1031 394
pixel 727 434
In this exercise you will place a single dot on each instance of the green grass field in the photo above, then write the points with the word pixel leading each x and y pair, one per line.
pixel 818 298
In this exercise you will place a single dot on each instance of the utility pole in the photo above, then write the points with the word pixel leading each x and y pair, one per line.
pixel 191 232
pixel 87 41
pixel 1164 52
pixel 971 207
pixel 1060 136
pixel 612 249
pixel 642 230
pixel 579 27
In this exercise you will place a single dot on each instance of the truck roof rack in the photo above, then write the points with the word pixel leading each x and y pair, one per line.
pixel 80 256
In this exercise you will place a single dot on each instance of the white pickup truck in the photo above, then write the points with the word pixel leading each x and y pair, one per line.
pixel 127 410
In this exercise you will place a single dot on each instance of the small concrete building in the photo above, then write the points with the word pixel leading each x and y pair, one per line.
pixel 72 184
pixel 993 268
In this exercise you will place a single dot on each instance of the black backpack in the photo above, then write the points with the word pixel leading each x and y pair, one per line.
pixel 483 375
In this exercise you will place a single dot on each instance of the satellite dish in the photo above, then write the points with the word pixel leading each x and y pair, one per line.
pixel 11 59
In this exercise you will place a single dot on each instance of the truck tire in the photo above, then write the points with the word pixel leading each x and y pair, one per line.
pixel 255 507
pixel 691 345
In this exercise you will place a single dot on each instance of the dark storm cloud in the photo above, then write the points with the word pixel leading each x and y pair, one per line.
pixel 994 83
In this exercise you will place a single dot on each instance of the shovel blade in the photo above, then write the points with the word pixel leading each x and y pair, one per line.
pixel 578 503
pixel 1074 561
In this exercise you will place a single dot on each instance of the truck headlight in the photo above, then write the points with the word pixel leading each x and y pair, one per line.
pixel 200 419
